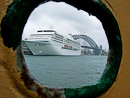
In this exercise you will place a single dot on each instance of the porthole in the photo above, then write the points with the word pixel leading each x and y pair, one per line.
pixel 68 50
pixel 11 30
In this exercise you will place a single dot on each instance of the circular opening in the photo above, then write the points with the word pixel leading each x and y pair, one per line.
pixel 65 67
pixel 11 30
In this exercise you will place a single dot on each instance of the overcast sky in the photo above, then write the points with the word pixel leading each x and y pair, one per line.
pixel 65 19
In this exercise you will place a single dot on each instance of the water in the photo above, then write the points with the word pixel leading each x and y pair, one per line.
pixel 66 71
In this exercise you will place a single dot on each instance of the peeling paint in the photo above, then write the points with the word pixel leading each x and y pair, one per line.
pixel 11 30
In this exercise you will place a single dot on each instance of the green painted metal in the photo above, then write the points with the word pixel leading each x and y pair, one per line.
pixel 16 17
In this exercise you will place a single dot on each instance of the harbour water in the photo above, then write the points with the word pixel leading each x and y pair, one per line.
pixel 66 71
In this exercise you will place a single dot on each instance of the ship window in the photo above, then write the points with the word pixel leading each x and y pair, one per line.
pixel 89 33
pixel 11 31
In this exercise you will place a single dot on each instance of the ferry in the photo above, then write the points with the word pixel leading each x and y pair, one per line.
pixel 49 42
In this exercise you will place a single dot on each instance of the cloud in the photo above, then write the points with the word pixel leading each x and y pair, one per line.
pixel 65 19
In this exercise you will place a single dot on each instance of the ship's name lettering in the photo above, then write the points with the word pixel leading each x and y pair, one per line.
pixel 43 44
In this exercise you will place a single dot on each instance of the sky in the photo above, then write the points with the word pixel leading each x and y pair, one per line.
pixel 65 19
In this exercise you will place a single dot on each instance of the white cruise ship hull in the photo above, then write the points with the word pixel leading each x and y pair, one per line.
pixel 49 48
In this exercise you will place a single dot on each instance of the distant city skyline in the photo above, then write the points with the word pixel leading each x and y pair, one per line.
pixel 65 19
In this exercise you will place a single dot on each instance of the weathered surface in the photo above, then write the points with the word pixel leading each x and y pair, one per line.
pixel 121 86
pixel 10 81
pixel 13 86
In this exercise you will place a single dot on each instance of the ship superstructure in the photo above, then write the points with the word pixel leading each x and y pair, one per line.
pixel 49 42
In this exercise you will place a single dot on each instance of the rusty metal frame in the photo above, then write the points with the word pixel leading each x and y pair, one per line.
pixel 11 30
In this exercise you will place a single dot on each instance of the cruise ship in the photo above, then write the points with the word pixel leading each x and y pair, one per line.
pixel 49 42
